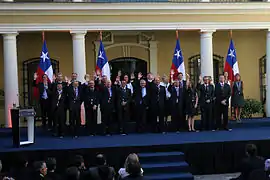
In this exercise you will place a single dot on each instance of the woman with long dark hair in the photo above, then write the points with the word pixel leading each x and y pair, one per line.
pixel 191 104
pixel 237 96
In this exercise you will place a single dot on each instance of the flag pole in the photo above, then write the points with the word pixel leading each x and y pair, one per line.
pixel 100 35
pixel 176 34
pixel 231 34
pixel 43 36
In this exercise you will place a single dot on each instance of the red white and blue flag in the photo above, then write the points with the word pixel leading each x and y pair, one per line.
pixel 178 64
pixel 231 64
pixel 44 67
pixel 102 62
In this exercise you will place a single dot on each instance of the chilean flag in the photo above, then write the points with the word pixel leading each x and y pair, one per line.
pixel 178 61
pixel 231 65
pixel 44 67
pixel 102 62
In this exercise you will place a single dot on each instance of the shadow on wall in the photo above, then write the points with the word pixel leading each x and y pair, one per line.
pixel 2 108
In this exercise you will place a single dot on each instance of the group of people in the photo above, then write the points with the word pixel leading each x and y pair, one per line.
pixel 76 169
pixel 148 101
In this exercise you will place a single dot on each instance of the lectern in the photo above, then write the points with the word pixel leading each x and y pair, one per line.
pixel 16 114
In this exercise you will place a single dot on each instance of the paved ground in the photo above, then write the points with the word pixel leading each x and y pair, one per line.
pixel 217 177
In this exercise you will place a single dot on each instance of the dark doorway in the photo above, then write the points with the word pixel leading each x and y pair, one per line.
pixel 29 68
pixel 127 65
pixel 194 67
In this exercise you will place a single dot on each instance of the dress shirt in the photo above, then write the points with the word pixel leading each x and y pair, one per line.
pixel 76 92
pixel 177 91
pixel 168 94
pixel 110 91
pixel 129 86
pixel 45 95
pixel 143 92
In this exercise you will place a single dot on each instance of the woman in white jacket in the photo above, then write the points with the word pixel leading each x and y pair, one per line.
pixel 132 158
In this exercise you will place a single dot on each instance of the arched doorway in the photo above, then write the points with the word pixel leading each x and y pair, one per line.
pixel 127 65
pixel 29 68
pixel 195 69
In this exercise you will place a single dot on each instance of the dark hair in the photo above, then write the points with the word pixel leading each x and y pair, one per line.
pixel 133 168
pixel 51 164
pixel 251 149
pixel 77 161
pixel 38 165
pixel 100 160
pixel 72 173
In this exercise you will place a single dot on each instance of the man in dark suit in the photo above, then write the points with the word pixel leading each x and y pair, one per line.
pixel 123 106
pixel 141 101
pixel 206 99
pixel 91 100
pixel 75 101
pixel 177 105
pixel 58 110
pixel 107 105
pixel 222 94
pixel 157 104
pixel 250 163
pixel 44 88
pixel 59 80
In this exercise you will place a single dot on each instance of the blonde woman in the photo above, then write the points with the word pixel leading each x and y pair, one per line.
pixel 132 158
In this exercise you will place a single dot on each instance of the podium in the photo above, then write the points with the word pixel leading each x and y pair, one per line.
pixel 16 114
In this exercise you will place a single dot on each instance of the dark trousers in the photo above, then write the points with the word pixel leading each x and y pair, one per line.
pixel 221 110
pixel 123 117
pixel 45 112
pixel 107 118
pixel 141 114
pixel 59 121
pixel 161 120
pixel 75 119
pixel 178 118
pixel 91 120
pixel 206 117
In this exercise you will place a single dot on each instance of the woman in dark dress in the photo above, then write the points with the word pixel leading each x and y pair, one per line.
pixel 237 96
pixel 191 104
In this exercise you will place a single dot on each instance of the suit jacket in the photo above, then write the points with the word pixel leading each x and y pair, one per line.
pixel 250 164
pixel 108 103
pixel 90 98
pixel 123 95
pixel 59 102
pixel 139 100
pixel 158 97
pixel 101 172
pixel 206 94
pixel 174 98
pixel 41 88
pixel 74 102
pixel 222 93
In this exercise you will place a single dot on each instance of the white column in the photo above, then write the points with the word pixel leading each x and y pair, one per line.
pixel 153 57
pixel 79 62
pixel 10 74
pixel 268 74
pixel 206 53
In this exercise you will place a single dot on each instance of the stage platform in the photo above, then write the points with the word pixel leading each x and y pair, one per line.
pixel 206 152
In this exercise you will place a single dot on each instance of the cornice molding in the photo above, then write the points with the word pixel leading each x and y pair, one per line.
pixel 5 28
pixel 132 8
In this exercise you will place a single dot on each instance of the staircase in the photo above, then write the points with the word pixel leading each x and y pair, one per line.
pixel 165 166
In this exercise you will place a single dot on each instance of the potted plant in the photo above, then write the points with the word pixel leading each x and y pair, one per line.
pixel 252 108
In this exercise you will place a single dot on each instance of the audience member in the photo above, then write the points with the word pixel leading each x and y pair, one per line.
pixel 250 163
pixel 51 165
pixel 102 171
pixel 132 158
pixel 261 174
pixel 40 170
pixel 134 171
pixel 72 173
